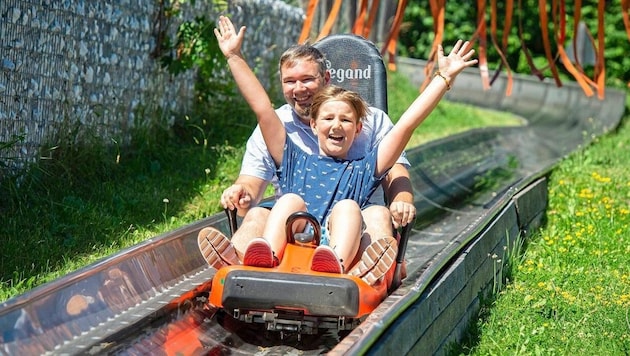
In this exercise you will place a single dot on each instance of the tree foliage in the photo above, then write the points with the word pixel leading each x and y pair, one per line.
pixel 416 35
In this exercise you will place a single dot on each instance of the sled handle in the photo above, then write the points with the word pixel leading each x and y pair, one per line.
pixel 231 217
pixel 310 218
pixel 400 257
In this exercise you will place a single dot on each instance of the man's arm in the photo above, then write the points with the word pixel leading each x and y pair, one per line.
pixel 399 195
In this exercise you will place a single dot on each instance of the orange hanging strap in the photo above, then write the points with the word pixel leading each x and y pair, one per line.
pixel 330 21
pixel 559 19
pixel 600 68
pixel 359 23
pixel 577 17
pixel 564 58
pixel 625 8
pixel 392 39
pixel 542 7
pixel 576 23
pixel 493 36
pixel 308 21
pixel 437 12
pixel 528 56
pixel 507 25
pixel 370 22
pixel 480 34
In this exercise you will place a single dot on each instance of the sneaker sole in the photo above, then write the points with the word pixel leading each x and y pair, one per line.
pixel 325 260
pixel 216 248
pixel 258 254
pixel 376 260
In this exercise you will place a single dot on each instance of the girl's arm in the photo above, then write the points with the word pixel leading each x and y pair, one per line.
pixel 393 144
pixel 272 128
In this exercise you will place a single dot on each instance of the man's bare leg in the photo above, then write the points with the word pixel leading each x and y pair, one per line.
pixel 252 226
pixel 378 225
pixel 379 228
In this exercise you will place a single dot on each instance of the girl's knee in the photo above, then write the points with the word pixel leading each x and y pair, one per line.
pixel 256 214
pixel 346 205
pixel 291 198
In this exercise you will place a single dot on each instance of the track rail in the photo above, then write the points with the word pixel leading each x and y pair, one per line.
pixel 475 193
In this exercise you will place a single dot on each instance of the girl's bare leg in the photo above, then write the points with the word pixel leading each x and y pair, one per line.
pixel 344 228
pixel 274 231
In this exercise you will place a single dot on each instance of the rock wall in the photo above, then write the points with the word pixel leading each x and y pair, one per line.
pixel 65 63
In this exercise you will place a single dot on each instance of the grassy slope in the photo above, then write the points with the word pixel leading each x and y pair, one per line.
pixel 570 291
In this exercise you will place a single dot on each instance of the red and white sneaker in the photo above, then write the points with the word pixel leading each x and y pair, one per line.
pixel 325 260
pixel 259 254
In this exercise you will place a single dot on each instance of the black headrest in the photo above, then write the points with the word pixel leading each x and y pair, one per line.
pixel 356 64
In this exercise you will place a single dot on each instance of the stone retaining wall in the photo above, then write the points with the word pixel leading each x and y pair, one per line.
pixel 65 63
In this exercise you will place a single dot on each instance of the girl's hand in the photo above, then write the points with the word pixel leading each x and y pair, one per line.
pixel 458 59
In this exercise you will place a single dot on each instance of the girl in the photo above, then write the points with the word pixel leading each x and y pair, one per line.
pixel 328 185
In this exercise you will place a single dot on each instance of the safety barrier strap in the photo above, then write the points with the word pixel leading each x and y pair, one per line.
pixel 544 23
pixel 600 68
pixel 480 34
pixel 576 70
pixel 625 8
pixel 438 8
pixel 330 21
pixel 501 50
pixel 371 18
pixel 308 21
pixel 390 45
pixel 359 23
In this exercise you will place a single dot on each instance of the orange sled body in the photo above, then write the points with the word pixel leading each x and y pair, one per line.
pixel 291 297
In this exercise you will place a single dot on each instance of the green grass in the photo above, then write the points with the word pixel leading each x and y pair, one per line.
pixel 569 291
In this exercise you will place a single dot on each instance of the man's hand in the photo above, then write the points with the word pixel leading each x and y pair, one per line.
pixel 398 190
pixel 244 194
pixel 402 212
pixel 236 197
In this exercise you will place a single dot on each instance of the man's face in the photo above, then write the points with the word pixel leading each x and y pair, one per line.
pixel 300 81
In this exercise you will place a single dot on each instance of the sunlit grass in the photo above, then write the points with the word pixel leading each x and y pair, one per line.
pixel 571 292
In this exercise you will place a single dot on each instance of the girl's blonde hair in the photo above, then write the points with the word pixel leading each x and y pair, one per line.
pixel 333 92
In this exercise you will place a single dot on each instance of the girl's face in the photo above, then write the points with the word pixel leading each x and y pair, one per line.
pixel 336 127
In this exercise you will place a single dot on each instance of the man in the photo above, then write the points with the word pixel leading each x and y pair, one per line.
pixel 303 72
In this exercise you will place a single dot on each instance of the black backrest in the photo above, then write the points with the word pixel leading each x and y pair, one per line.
pixel 356 64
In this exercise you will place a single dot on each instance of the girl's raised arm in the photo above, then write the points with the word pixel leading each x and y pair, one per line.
pixel 252 90
pixel 393 144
